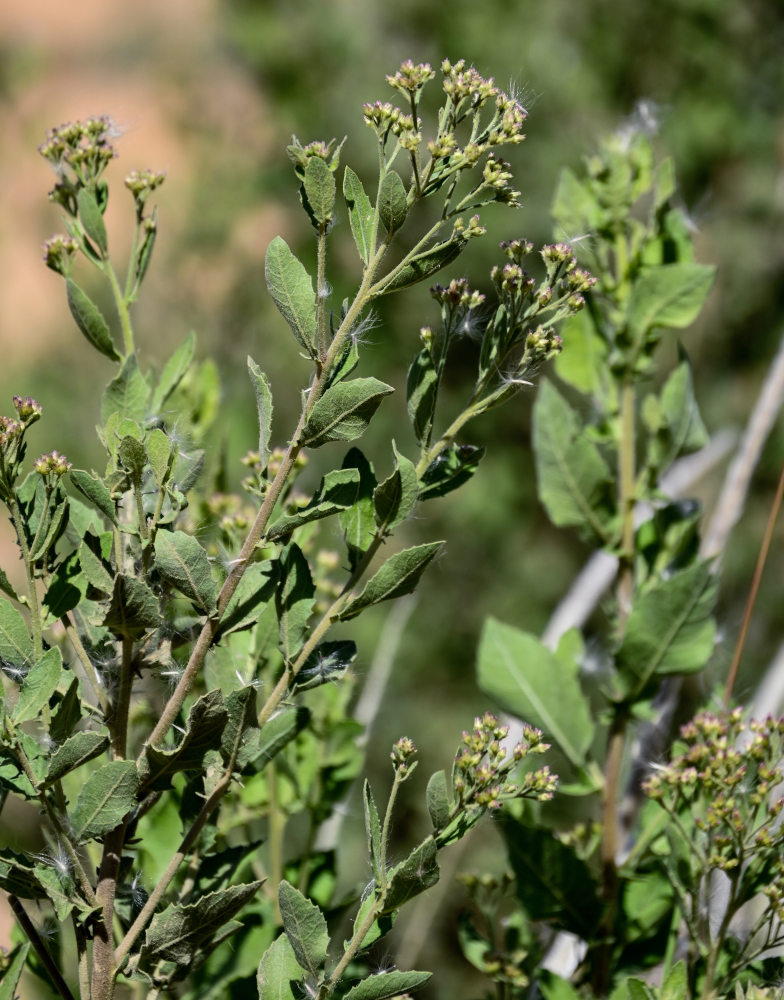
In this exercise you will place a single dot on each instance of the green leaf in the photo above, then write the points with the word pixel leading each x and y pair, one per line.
pixel 358 521
pixel 67 714
pixel 13 971
pixel 182 933
pixel 94 490
pixel 392 201
pixel 256 588
pixel 89 320
pixel 183 562
pixel 337 492
pixel 16 645
pixel 206 722
pixel 6 587
pixel 291 288
pixel 399 575
pixel 278 970
pixel 133 608
pixel 173 372
pixel 395 497
pixel 669 295
pixel 534 684
pixel 584 362
pixel 379 928
pixel 554 987
pixel 17 875
pixel 128 393
pixel 263 392
pixel 77 750
pixel 160 453
pixel 636 989
pixel 92 220
pixel 239 740
pixel 439 805
pixel 328 662
pixel 294 599
pixel 449 470
pixel 423 266
pixel 67 588
pixel 574 483
pixel 59 890
pixel 553 884
pixel 372 830
pixel 675 986
pixel 132 456
pixel 416 873
pixel 669 629
pixel 305 928
pixel 344 411
pixel 387 984
pixel 421 391
pixel 360 214
pixel 39 686
pixel 278 732
pixel 319 185
pixel 105 799
pixel 574 208
pixel 674 421
pixel 96 571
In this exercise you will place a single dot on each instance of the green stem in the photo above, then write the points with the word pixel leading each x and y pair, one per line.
pixel 122 706
pixel 32 596
pixel 277 824
pixel 121 306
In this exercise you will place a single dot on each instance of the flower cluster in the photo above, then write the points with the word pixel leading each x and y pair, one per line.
pixel 723 779
pixel 58 253
pixel 457 293
pixel 54 464
pixel 411 77
pixel 79 152
pixel 482 765
pixel 141 184
pixel 466 84
pixel 299 155
pixel 402 752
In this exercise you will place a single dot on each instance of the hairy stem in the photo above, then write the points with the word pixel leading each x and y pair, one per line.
pixel 40 948
pixel 121 306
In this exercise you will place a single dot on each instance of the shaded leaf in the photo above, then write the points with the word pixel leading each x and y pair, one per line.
pixel 344 411
pixel 278 971
pixel 421 388
pixel 255 589
pixel 448 471
pixel 16 644
pixel 423 265
pixel 669 295
pixel 395 497
pixel 89 320
pixel 67 713
pixel 184 563
pixel 39 686
pixel 305 928
pixel 261 387
pixel 387 984
pixel 277 733
pixel 291 289
pixel 360 213
pixel 418 872
pixel 160 453
pixel 77 750
pixel 392 201
pixel 17 875
pixel 133 608
pixel 94 490
pixel 206 722
pixel 337 491
pixel 439 805
pixel 67 588
pixel 239 740
pixel 534 684
pixel 105 799
pixel 13 971
pixel 372 830
pixel 399 575
pixel 358 521
pixel 293 599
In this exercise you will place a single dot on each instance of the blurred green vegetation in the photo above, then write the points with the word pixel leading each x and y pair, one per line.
pixel 712 74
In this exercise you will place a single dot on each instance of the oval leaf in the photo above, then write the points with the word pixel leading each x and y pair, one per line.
pixel 183 562
pixel 399 575
pixel 261 387
pixel 668 295
pixel 360 213
pixel 290 286
pixel 76 750
pixel 423 265
pixel 387 984
pixel 278 968
pixel 319 185
pixel 89 320
pixel 91 219
pixel 16 645
pixel 392 201
pixel 105 800
pixel 39 686
pixel 305 928
pixel 344 411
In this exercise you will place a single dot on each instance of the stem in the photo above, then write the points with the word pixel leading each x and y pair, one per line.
pixel 626 498
pixel 89 670
pixel 104 963
pixel 32 596
pixel 122 705
pixel 41 950
pixel 755 584
pixel 122 308
pixel 277 824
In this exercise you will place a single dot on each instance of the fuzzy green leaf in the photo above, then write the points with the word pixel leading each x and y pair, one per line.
pixel 261 387
pixel 105 800
pixel 575 207
pixel 173 372
pixel 133 608
pixel 94 490
pixel 360 213
pixel 387 984
pixel 337 491
pixel 584 364
pixel 416 873
pixel 392 201
pixel 291 288
pixel 669 630
pixel 77 750
pixel 16 645
pixel 534 684
pixel 669 295
pixel 675 986
pixel 132 456
pixel 182 933
pixel 39 686
pixel 395 497
pixel 344 411
pixel 448 471
pixel 183 562
pixel 67 714
pixel 319 185
pixel 89 320
pixel 128 393
pixel 294 599
pixel 305 928
pixel 399 575
pixel 91 219
pixel 674 421
pixel 421 386
pixel 574 483
pixel 358 521
pixel 206 722
pixel 278 971
pixel 372 829
pixel 439 805
pixel 554 987
pixel 423 266
pixel 160 454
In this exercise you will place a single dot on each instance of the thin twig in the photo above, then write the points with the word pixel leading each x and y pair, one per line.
pixel 41 950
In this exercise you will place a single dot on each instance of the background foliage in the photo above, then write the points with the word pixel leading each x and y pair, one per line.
pixel 215 89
